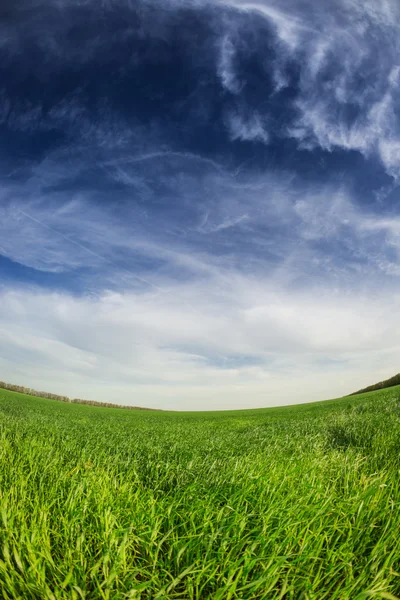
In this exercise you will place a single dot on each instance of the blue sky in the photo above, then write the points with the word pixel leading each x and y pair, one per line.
pixel 199 200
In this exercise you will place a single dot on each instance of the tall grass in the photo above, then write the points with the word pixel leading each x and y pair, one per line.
pixel 295 503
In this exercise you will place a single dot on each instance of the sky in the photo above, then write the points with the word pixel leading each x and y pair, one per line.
pixel 199 199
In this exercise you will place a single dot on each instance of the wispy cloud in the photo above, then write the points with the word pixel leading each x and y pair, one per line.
pixel 226 69
pixel 251 129
pixel 347 56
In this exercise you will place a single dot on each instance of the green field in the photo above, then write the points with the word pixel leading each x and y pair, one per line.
pixel 298 502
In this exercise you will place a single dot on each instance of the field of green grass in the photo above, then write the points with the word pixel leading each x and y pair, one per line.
pixel 300 502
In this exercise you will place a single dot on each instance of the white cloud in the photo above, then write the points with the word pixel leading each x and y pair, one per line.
pixel 225 67
pixel 227 223
pixel 348 58
pixel 287 23
pixel 248 129
pixel 236 333
pixel 199 346
pixel 272 221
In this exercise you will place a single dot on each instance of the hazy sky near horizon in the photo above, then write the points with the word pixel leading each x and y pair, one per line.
pixel 199 199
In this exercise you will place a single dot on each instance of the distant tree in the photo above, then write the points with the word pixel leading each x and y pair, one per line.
pixel 395 380
pixel 30 392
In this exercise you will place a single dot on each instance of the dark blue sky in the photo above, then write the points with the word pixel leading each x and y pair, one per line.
pixel 199 199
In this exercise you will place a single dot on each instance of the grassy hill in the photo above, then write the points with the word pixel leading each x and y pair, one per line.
pixel 284 503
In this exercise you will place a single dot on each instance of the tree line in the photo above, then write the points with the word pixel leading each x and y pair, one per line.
pixel 395 380
pixel 30 392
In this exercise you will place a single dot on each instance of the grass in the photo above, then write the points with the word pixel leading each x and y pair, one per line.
pixel 288 503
